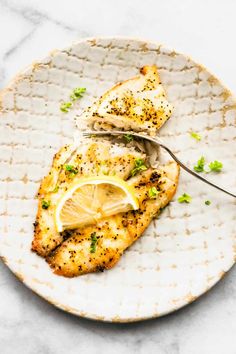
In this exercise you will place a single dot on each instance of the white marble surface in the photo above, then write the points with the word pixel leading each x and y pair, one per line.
pixel 205 30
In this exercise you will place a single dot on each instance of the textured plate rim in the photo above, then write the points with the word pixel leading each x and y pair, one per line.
pixel 20 277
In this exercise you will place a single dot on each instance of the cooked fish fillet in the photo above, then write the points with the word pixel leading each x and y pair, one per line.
pixel 138 104
pixel 116 233
pixel 92 158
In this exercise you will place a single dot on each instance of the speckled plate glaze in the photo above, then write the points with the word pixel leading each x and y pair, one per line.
pixel 183 253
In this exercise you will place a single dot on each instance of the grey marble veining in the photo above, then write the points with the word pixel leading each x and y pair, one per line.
pixel 205 30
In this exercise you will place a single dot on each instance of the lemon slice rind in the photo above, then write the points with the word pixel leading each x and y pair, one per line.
pixel 128 202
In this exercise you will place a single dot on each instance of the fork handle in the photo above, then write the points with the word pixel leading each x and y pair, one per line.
pixel 192 172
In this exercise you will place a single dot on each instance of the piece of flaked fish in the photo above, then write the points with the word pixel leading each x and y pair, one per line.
pixel 138 104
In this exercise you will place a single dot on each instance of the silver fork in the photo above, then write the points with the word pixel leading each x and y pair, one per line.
pixel 160 143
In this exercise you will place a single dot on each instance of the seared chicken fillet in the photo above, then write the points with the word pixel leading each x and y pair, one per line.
pixel 138 104
pixel 116 233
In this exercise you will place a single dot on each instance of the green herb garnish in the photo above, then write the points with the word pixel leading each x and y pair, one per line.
pixel 185 198
pixel 128 137
pixel 46 204
pixel 77 93
pixel 94 241
pixel 195 136
pixel 139 166
pixel 199 167
pixel 152 192
pixel 65 106
pixel 215 166
pixel 73 170
pixel 207 202
pixel 55 190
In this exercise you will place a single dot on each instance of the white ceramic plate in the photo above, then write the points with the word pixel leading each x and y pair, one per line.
pixel 189 248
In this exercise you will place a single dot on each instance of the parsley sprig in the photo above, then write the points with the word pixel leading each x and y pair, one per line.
pixel 65 106
pixel 199 167
pixel 46 204
pixel 77 93
pixel 139 166
pixel 152 192
pixel 185 198
pixel 128 138
pixel 71 170
pixel 74 96
pixel 215 166
pixel 94 240
pixel 196 136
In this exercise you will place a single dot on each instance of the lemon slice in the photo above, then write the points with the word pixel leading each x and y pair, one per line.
pixel 93 198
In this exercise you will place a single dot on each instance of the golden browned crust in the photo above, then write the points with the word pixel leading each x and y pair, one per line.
pixel 49 182
pixel 93 162
pixel 118 232
pixel 138 104
pixel 147 69
pixel 46 237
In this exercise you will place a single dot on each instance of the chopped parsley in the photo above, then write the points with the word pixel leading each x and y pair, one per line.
pixel 65 106
pixel 184 198
pixel 128 137
pixel 77 93
pixel 46 204
pixel 73 170
pixel 207 202
pixel 94 240
pixel 215 166
pixel 195 136
pixel 55 190
pixel 139 166
pixel 199 167
pixel 152 192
